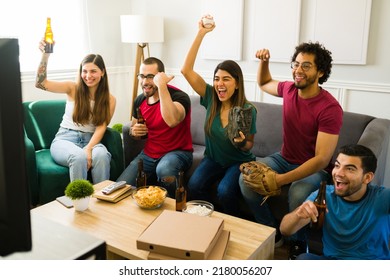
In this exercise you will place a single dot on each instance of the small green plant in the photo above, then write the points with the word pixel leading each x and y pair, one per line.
pixel 79 189
pixel 118 127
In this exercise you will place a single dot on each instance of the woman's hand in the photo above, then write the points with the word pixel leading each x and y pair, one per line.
pixel 207 28
pixel 240 140
pixel 88 152
pixel 42 45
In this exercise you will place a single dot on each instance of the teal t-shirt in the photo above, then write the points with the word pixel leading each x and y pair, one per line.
pixel 218 146
pixel 357 229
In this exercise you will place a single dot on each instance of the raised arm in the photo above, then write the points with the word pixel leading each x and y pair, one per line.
pixel 172 112
pixel 264 78
pixel 43 83
pixel 197 83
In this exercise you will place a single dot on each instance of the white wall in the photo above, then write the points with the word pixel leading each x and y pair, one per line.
pixel 359 88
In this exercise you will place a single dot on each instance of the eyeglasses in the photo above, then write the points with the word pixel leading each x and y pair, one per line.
pixel 305 65
pixel 148 77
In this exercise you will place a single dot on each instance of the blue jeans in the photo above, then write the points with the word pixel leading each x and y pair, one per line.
pixel 297 194
pixel 168 165
pixel 67 149
pixel 228 191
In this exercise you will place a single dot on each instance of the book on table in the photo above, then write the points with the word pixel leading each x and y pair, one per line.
pixel 114 196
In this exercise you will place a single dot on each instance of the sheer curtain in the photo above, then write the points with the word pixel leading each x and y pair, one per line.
pixel 26 20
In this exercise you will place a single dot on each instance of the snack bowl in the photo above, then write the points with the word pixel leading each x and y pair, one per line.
pixel 149 197
pixel 199 207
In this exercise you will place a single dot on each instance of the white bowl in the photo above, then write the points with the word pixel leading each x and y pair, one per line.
pixel 199 207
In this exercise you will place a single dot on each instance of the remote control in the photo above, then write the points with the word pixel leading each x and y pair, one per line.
pixel 113 187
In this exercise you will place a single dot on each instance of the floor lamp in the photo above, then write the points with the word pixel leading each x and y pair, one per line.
pixel 141 30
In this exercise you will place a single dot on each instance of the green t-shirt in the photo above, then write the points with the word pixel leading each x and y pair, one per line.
pixel 218 146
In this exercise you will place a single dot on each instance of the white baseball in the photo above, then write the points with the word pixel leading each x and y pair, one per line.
pixel 207 22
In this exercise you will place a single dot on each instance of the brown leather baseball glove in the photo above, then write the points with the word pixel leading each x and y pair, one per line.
pixel 261 178
pixel 240 119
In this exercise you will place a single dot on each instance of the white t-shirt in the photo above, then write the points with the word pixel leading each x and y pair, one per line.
pixel 67 119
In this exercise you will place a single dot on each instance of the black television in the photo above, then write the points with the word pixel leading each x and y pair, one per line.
pixel 15 223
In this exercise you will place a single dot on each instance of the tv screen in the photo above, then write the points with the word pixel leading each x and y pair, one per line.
pixel 15 225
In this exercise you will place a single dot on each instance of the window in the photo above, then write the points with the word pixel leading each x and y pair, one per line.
pixel 26 20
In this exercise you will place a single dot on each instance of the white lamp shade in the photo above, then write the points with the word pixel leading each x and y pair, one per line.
pixel 142 29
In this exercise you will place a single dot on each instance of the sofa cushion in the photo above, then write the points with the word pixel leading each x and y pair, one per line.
pixel 41 121
pixel 198 115
pixel 52 178
pixel 352 129
pixel 268 138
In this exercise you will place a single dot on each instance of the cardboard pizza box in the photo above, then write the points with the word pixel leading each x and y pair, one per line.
pixel 217 253
pixel 181 235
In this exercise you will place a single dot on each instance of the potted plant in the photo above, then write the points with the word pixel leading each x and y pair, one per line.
pixel 118 127
pixel 79 191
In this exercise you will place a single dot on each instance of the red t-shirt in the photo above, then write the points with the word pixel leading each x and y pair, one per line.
pixel 162 138
pixel 304 118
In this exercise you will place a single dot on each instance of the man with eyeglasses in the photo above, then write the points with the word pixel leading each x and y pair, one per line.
pixel 312 119
pixel 167 114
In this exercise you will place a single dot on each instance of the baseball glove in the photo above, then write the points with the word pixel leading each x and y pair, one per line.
pixel 260 178
pixel 240 119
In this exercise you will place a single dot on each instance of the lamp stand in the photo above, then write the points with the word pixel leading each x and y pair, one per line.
pixel 139 58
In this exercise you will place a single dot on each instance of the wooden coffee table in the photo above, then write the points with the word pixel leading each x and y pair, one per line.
pixel 120 224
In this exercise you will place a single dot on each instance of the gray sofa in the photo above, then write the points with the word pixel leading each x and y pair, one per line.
pixel 357 128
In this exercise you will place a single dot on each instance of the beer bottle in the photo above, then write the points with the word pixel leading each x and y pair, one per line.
pixel 49 37
pixel 141 120
pixel 181 193
pixel 320 203
pixel 140 181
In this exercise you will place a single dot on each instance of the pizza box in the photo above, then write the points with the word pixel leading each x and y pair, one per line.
pixel 181 235
pixel 217 253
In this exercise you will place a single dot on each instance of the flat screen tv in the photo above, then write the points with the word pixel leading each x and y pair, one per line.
pixel 15 225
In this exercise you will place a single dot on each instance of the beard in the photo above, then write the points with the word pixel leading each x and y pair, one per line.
pixel 308 81
pixel 351 189
pixel 149 91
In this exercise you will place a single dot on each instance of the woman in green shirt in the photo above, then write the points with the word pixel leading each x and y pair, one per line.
pixel 222 158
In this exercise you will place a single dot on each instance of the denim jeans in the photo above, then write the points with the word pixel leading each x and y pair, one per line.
pixel 228 190
pixel 298 192
pixel 67 149
pixel 168 165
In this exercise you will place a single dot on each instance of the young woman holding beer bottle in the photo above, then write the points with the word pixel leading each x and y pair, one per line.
pixel 89 109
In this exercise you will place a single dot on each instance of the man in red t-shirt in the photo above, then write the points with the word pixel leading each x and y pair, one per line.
pixel 312 119
pixel 167 114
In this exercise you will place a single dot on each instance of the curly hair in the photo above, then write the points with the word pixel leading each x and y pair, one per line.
pixel 323 58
